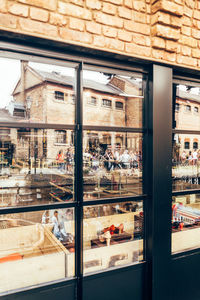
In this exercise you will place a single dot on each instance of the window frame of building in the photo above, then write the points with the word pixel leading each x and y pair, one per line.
pixel 59 96
pixel 78 204
pixel 187 145
pixel 188 108
pixel 60 137
pixel 196 110
pixel 106 103
pixel 195 145
pixel 92 101
pixel 119 105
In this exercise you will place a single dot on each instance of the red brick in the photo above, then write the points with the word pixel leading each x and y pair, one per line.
pixel 93 4
pixel 188 11
pixel 168 6
pixel 165 32
pixel 77 2
pixel 196 53
pixel 109 8
pixel 57 19
pixel 186 30
pixel 124 35
pixel 50 4
pixel 38 27
pixel 73 35
pixel 93 27
pixel 117 2
pixel 175 22
pixel 39 14
pixel 128 3
pixel 8 21
pixel 196 33
pixel 171 46
pixel 18 9
pixel 125 13
pixel 137 27
pixel 161 18
pixel 158 43
pixel 3 6
pixel 109 31
pixel 139 50
pixel 141 39
pixel 74 11
pixel 188 41
pixel 185 50
pixel 139 5
pixel 109 43
pixel 140 17
pixel 102 18
pixel 76 24
pixel 186 60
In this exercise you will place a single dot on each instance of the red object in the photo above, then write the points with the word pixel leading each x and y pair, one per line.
pixel 11 257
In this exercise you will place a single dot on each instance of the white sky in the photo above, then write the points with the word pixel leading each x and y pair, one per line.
pixel 10 74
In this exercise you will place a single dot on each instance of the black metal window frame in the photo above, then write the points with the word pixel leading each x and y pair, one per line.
pixel 78 205
pixel 191 81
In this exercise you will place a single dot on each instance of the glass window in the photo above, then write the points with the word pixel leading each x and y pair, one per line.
pixel 29 93
pixel 112 235
pixel 195 145
pixel 106 102
pixel 123 93
pixel 185 222
pixel 36 247
pixel 187 145
pixel 188 97
pixel 60 136
pixel 33 168
pixel 186 162
pixel 91 100
pixel 119 105
pixel 112 164
pixel 59 95
pixel 188 108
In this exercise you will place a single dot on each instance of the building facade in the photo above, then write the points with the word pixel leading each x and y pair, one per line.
pixel 99 149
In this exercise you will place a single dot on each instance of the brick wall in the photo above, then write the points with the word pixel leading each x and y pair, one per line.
pixel 162 30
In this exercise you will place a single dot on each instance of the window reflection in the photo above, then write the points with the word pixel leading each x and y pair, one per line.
pixel 187 105
pixel 186 162
pixel 185 222
pixel 112 235
pixel 117 100
pixel 36 247
pixel 112 164
pixel 36 93
pixel 36 166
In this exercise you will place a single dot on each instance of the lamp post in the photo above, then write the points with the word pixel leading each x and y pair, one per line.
pixel 28 108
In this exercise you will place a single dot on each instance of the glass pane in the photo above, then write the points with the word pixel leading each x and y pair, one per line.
pixel 112 235
pixel 187 107
pixel 112 164
pixel 185 222
pixel 186 162
pixel 112 100
pixel 36 166
pixel 36 93
pixel 36 247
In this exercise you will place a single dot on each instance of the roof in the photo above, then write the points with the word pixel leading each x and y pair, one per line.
pixel 56 77
pixel 5 116
pixel 188 96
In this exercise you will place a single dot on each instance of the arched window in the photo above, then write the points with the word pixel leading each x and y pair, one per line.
pixel 188 108
pixel 187 145
pixel 195 145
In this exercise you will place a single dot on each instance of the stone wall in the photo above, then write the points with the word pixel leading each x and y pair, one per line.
pixel 153 29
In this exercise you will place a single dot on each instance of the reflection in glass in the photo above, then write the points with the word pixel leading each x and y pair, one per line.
pixel 112 164
pixel 112 100
pixel 36 93
pixel 36 166
pixel 187 108
pixel 36 247
pixel 185 222
pixel 112 235
pixel 186 162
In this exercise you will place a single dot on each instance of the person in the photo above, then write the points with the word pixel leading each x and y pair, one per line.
pixel 56 226
pixel 195 157
pixel 45 217
pixel 60 160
